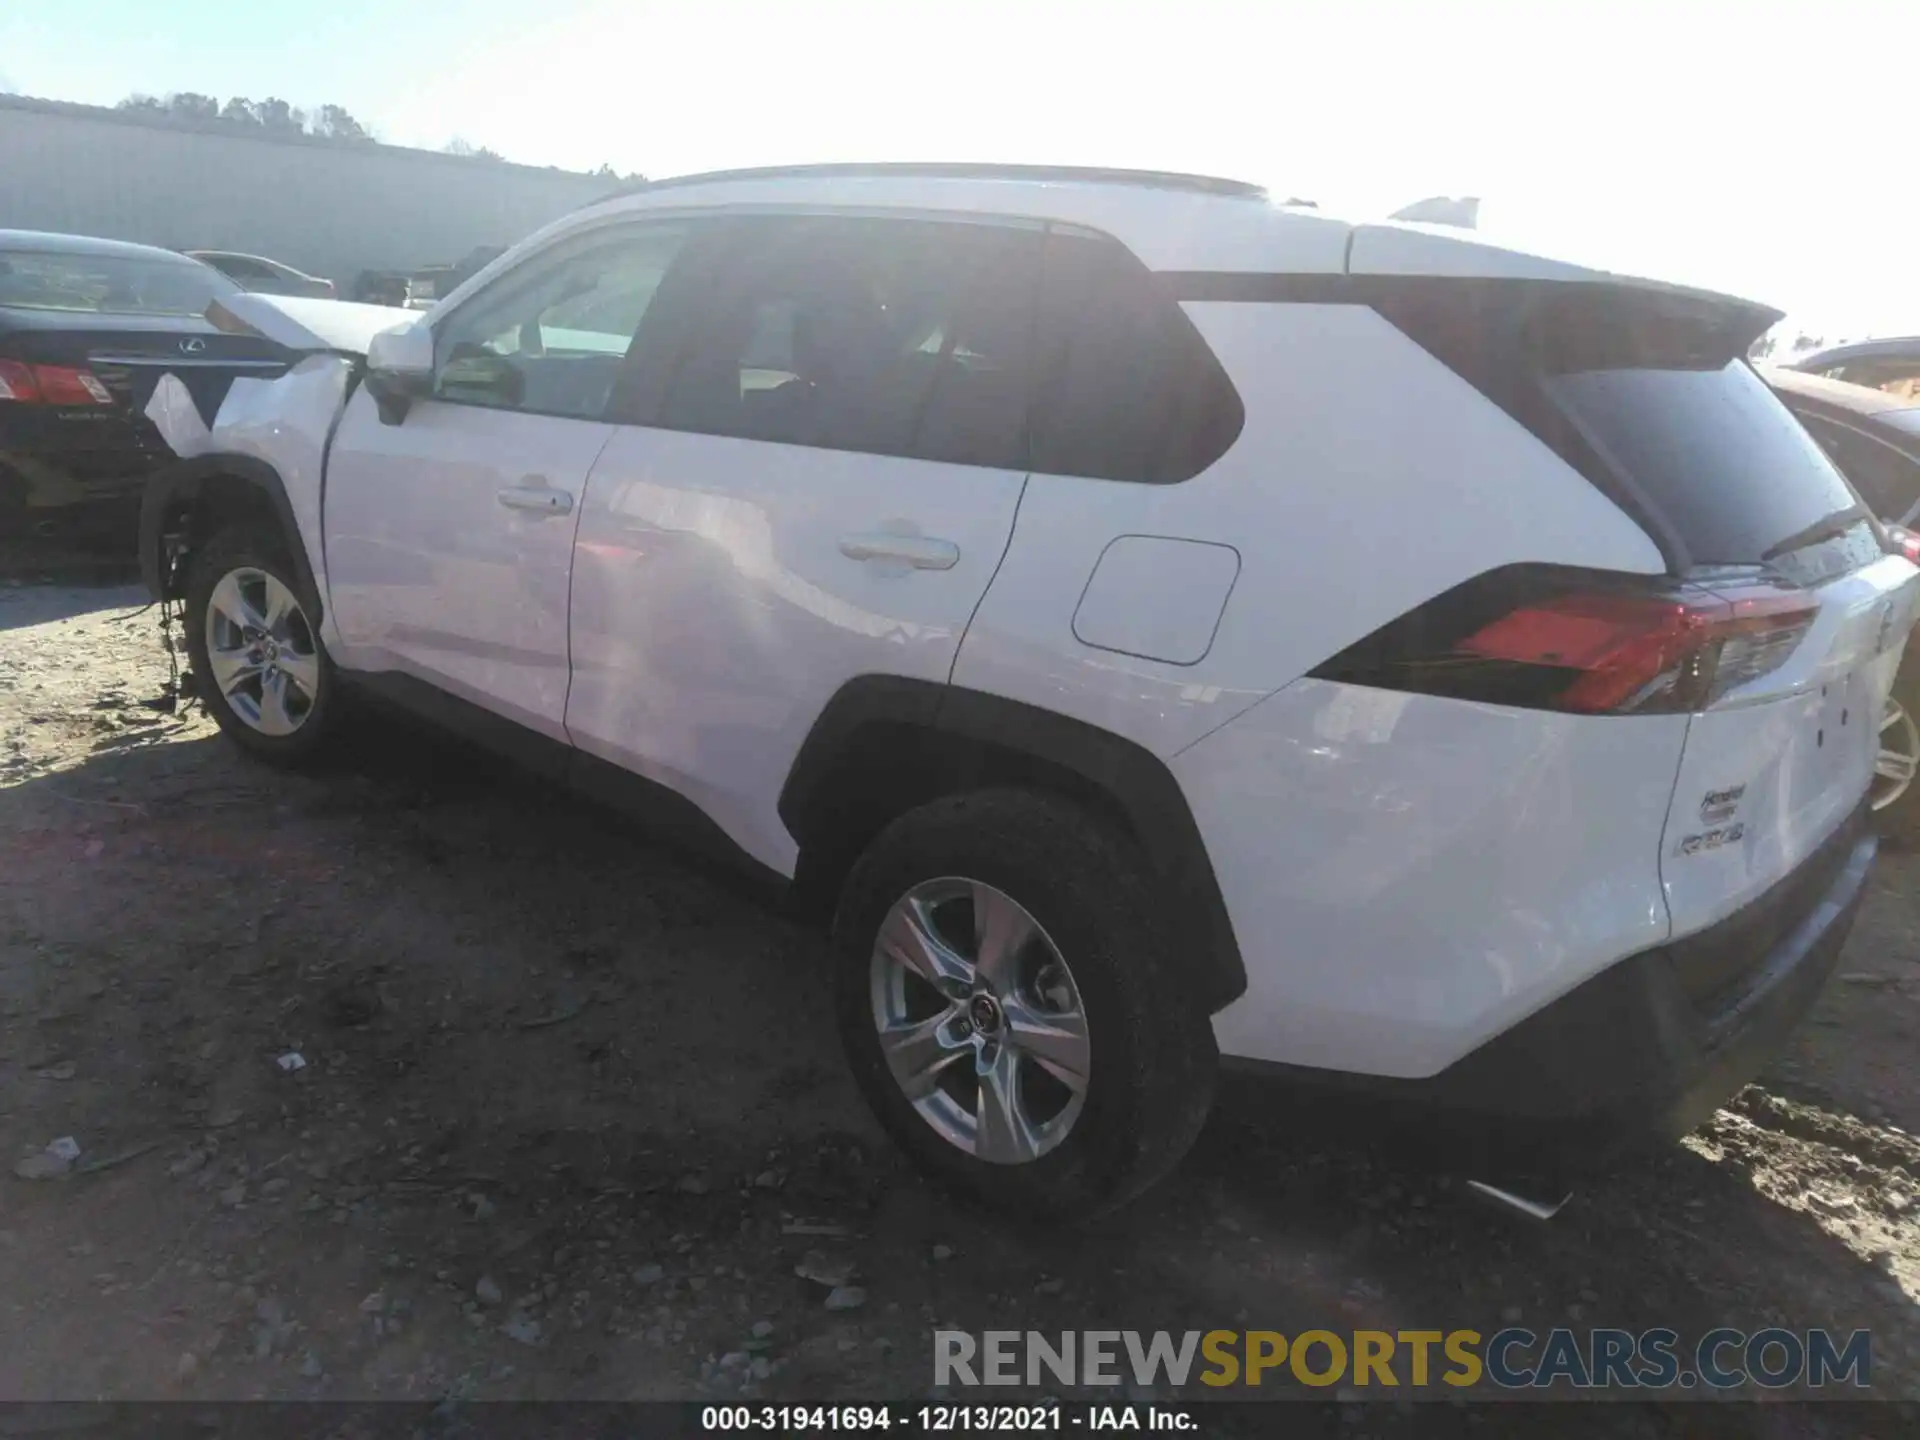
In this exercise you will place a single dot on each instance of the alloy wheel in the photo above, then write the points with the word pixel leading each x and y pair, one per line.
pixel 262 652
pixel 1899 758
pixel 980 1021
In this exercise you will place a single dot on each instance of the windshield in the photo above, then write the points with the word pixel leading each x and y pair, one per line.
pixel 109 284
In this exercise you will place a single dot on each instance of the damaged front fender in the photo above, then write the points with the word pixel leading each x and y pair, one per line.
pixel 172 494
pixel 270 436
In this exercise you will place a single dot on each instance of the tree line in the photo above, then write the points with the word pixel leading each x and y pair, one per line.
pixel 328 122
pixel 325 122
pixel 1772 344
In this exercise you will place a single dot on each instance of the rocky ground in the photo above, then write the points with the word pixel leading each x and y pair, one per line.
pixel 412 1080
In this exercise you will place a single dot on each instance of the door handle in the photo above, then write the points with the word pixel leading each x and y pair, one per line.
pixel 922 552
pixel 541 499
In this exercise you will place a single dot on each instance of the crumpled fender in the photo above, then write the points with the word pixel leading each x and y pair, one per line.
pixel 271 434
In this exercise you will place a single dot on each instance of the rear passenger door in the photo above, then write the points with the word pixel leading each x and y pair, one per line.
pixel 819 487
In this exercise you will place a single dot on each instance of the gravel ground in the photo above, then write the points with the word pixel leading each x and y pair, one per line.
pixel 570 1116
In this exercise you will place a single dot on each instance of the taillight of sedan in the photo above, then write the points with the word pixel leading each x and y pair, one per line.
pixel 26 384
pixel 1903 541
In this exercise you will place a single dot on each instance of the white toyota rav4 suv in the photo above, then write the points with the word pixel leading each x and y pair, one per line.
pixel 1157 624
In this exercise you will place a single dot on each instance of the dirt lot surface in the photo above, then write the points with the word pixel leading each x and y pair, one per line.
pixel 570 1117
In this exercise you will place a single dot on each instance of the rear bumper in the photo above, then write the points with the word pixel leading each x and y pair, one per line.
pixel 48 481
pixel 1652 1045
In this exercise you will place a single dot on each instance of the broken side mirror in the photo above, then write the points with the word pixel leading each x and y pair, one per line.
pixel 400 369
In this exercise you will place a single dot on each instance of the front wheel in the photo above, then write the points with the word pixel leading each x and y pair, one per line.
pixel 1012 1009
pixel 258 662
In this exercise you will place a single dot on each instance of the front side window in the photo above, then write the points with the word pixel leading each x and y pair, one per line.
pixel 892 337
pixel 109 284
pixel 551 337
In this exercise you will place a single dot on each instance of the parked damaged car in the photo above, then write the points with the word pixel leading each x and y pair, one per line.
pixel 1011 567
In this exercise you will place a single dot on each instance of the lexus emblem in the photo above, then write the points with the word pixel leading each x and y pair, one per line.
pixel 192 345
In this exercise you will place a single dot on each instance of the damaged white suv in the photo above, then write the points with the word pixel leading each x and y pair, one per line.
pixel 1157 624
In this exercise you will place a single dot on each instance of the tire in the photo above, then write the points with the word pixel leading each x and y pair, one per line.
pixel 1896 807
pixel 1148 1059
pixel 247 566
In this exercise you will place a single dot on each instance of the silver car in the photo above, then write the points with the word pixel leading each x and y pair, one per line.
pixel 256 272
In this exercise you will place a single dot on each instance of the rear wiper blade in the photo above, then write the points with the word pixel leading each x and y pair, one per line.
pixel 1831 527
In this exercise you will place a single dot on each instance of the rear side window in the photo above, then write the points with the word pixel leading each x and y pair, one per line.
pixel 240 268
pixel 1887 480
pixel 1895 376
pixel 1127 389
pixel 892 337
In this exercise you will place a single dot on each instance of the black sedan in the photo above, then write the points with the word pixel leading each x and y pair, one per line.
pixel 1873 436
pixel 87 328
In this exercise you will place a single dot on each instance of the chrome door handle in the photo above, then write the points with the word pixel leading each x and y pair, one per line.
pixel 922 552
pixel 541 499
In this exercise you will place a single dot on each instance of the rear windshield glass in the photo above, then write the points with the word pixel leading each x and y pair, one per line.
pixel 1730 468
pixel 109 284
pixel 1661 388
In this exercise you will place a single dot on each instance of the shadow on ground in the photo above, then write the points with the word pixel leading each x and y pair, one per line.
pixel 568 1114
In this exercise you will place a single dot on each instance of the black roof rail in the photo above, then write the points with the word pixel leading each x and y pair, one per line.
pixel 959 170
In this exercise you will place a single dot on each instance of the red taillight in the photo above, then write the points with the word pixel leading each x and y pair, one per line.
pixel 51 385
pixel 16 383
pixel 1550 639
pixel 1903 542
pixel 1630 651
pixel 60 385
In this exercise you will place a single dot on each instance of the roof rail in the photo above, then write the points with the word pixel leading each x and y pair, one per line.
pixel 960 170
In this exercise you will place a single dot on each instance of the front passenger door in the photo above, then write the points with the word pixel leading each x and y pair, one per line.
pixel 450 535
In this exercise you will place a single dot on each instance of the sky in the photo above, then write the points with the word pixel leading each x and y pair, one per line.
pixel 1765 148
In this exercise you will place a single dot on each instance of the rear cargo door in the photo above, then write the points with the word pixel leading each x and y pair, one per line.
pixel 1775 762
pixel 1645 389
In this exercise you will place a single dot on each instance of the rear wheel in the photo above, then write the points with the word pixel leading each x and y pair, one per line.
pixel 1008 1005
pixel 254 642
pixel 1894 796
